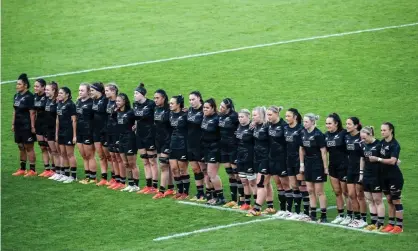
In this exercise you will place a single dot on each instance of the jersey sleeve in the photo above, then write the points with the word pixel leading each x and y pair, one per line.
pixel 234 119
pixel 30 102
pixel 320 140
pixel 72 110
pixel 395 150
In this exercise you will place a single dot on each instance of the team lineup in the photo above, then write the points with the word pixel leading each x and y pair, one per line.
pixel 255 147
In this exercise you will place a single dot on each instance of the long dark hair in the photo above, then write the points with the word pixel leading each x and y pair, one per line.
pixel 98 86
pixel 180 100
pixel 126 99
pixel 337 120
pixel 356 122
pixel 297 114
pixel 54 86
pixel 391 127
pixel 41 81
pixel 25 80
pixel 212 103
pixel 164 95
pixel 229 104
pixel 197 94
pixel 68 91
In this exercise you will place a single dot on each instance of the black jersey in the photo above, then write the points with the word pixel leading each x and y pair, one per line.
pixel 228 124
pixel 22 103
pixel 65 110
pixel 293 139
pixel 144 113
pixel 354 150
pixel 277 139
pixel 51 113
pixel 312 142
pixel 261 142
pixel 336 147
pixel 84 116
pixel 162 124
pixel 178 122
pixel 210 129
pixel 388 150
pixel 245 149
pixel 99 114
pixel 126 120
pixel 371 169
pixel 111 120
pixel 39 105
pixel 194 132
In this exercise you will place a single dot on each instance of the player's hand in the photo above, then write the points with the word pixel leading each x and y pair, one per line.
pixel 74 139
pixel 185 109
pixel 360 178
pixel 13 129
pixel 33 130
pixel 252 125
pixel 134 128
pixel 398 162
pixel 302 169
pixel 326 172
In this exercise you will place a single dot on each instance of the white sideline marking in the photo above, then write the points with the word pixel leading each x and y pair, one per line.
pixel 203 230
pixel 203 54
pixel 231 209
pixel 265 218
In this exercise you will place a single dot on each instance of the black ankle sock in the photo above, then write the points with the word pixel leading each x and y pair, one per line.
pixel 185 179
pixel 155 184
pixel 373 218
pixel 399 222
pixel 289 200
pixel 32 167
pixel 323 213
pixel 112 174
pixel 170 187
pixel 117 178
pixel 357 215
pixel 67 171
pixel 297 197
pixel 270 204
pixel 87 174
pixel 340 212
pixel 220 194
pixel 74 172
pixel 179 184
pixel 200 191
pixel 136 182
pixel 22 165
pixel 313 213
pixel 93 175
pixel 123 180
pixel 247 199
pixel 149 182
pixel 53 168
pixel 104 176
pixel 234 189
pixel 282 199
pixel 130 182
pixel 47 167
pixel 350 214
pixel 364 217
pixel 305 199
pixel 391 221
pixel 162 189
pixel 380 221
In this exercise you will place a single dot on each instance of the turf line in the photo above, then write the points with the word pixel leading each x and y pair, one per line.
pixel 204 54
pixel 203 230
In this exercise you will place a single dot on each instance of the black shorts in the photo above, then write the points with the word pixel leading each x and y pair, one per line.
pixel 293 165
pixel 100 136
pixel 195 154
pixel 392 182
pixel 314 170
pixel 40 129
pixel 245 167
pixel 211 153
pixel 338 171
pixel 85 139
pixel 163 146
pixel 353 174
pixel 278 166
pixel 50 134
pixel 372 185
pixel 261 166
pixel 127 144
pixel 65 138
pixel 24 137
pixel 228 154
pixel 113 143
pixel 147 143
pixel 178 154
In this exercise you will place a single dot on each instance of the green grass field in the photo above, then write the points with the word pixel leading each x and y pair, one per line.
pixel 372 75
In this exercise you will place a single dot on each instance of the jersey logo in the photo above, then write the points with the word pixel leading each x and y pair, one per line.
pixel 87 141
pixel 373 148
pixel 69 142
pixel 212 159
pixel 311 137
pixel 386 147
pixel 284 173
pixel 319 178
pixel 30 139
pixel 130 151
pixel 392 187
pixel 151 147
pixel 117 142
pixel 337 136
pixel 331 143
pixel 306 143
pixel 183 157
pixel 377 188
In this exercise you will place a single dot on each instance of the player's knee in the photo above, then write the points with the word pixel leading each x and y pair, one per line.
pixel 395 195
pixel 260 183
pixel 399 208
pixel 199 176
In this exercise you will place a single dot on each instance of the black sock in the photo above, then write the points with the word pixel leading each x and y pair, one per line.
pixel 130 182
pixel 341 212
pixel 185 179
pixel 170 187
pixel 53 168
pixel 117 178
pixel 373 218
pixel 247 199
pixel 297 197
pixel 364 217
pixel 87 174
pixel 74 172
pixel 399 222
pixel 305 198
pixel 323 213
pixel 234 188
pixel 112 174
pixel 270 204
pixel 350 214
pixel 22 165
pixel 209 193
pixel 200 191
pixel 289 200
pixel 162 189
pixel 179 184
pixel 313 213
pixel 123 180
pixel 32 167
pixel 136 182
pixel 282 199
pixel 67 171
pixel 255 197
pixel 149 182
pixel 155 184
pixel 257 207
pixel 380 221
pixel 104 176
pixel 47 167
pixel 92 175
pixel 220 194
pixel 391 221
pixel 357 215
